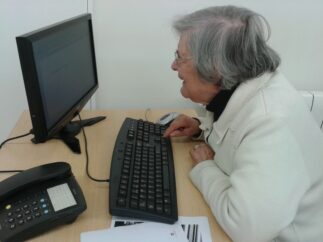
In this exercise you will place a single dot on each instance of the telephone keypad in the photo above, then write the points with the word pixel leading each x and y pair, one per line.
pixel 26 210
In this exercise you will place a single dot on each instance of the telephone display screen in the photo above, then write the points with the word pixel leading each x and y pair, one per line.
pixel 61 197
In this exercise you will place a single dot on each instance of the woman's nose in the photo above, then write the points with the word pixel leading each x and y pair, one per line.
pixel 174 66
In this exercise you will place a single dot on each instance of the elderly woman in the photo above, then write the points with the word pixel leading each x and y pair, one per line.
pixel 261 166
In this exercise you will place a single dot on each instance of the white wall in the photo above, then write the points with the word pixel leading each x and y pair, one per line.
pixel 135 45
pixel 19 17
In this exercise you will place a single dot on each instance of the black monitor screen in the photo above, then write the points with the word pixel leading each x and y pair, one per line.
pixel 59 71
pixel 63 59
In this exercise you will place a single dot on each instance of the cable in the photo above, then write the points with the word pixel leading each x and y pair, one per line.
pixel 147 112
pixel 9 171
pixel 20 136
pixel 87 158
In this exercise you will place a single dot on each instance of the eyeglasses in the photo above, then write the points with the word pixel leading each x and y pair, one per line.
pixel 179 59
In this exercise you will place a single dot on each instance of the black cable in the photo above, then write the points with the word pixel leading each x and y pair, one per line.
pixel 5 141
pixel 87 158
pixel 10 171
pixel 20 136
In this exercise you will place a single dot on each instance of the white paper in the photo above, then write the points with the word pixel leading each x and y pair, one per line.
pixel 196 229
pixel 143 232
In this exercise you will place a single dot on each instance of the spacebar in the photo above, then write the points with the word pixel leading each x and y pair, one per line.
pixel 165 177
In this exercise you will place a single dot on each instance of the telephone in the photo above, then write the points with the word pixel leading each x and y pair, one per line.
pixel 38 199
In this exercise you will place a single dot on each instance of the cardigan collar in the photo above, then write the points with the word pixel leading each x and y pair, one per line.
pixel 219 102
pixel 244 92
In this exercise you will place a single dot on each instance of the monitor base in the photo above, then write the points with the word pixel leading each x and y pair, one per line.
pixel 68 133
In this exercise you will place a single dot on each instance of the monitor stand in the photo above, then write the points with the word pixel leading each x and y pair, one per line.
pixel 68 133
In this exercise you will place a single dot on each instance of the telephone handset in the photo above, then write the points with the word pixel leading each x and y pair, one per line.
pixel 38 199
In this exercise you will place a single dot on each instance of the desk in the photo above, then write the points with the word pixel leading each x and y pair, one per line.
pixel 23 154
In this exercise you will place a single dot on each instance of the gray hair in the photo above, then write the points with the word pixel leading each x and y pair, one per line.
pixel 228 44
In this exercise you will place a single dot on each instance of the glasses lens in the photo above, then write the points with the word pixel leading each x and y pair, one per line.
pixel 179 59
pixel 176 56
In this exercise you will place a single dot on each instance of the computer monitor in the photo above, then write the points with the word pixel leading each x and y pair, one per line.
pixel 59 71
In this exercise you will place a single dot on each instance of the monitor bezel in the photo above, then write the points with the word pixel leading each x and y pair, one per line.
pixel 32 84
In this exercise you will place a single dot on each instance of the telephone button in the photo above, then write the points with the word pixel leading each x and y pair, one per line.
pixel 21 222
pixel 11 220
pixel 8 206
pixel 22 201
pixel 12 226
pixel 9 214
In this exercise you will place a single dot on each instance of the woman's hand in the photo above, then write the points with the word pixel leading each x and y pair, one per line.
pixel 201 152
pixel 183 126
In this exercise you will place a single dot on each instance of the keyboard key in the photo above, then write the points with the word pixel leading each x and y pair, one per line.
pixel 121 202
pixel 166 178
pixel 159 208
pixel 142 204
pixel 122 193
pixel 167 210
pixel 150 205
pixel 134 203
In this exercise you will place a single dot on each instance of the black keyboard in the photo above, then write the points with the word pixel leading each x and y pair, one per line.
pixel 142 176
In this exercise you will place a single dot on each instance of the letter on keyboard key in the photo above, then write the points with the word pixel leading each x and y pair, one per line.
pixel 142 204
pixel 121 202
pixel 159 208
pixel 166 200
pixel 167 209
pixel 151 205
pixel 133 203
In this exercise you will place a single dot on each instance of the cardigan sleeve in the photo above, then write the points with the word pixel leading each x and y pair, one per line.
pixel 261 195
pixel 206 124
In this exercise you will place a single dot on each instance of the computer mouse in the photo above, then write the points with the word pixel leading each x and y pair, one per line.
pixel 167 118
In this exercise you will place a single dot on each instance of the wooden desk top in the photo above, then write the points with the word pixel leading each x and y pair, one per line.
pixel 22 154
